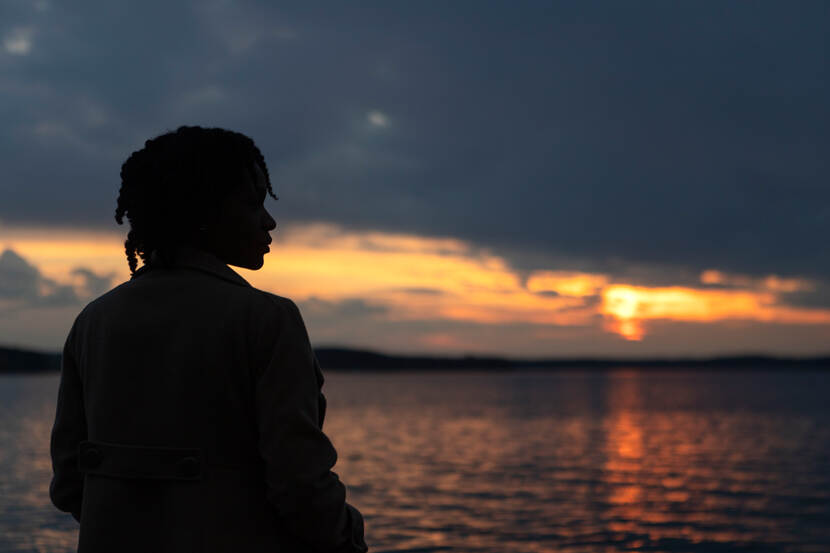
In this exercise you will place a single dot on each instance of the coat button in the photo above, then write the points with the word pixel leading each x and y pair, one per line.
pixel 188 467
pixel 91 458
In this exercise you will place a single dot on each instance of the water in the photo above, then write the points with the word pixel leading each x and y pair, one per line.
pixel 529 462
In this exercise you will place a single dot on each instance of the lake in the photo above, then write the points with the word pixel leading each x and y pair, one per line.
pixel 533 461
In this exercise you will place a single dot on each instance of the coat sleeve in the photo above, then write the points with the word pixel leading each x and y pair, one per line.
pixel 67 486
pixel 309 498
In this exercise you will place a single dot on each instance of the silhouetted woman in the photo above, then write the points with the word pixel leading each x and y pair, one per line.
pixel 190 415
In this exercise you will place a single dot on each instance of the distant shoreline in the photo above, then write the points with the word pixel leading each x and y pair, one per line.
pixel 21 361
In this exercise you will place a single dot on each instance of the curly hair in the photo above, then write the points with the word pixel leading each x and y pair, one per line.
pixel 177 179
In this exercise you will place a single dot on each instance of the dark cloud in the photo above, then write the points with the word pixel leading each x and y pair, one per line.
pixel 547 293
pixel 816 298
pixel 18 279
pixel 423 291
pixel 353 308
pixel 23 286
pixel 92 284
pixel 678 137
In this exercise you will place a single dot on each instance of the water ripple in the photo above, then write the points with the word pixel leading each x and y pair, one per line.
pixel 529 462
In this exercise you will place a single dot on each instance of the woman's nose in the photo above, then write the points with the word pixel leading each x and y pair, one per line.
pixel 270 223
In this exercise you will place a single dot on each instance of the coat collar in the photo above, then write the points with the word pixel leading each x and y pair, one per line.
pixel 192 258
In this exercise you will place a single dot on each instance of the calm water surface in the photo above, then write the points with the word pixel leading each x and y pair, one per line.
pixel 529 462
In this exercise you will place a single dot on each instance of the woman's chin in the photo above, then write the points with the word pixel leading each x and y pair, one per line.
pixel 257 263
pixel 253 263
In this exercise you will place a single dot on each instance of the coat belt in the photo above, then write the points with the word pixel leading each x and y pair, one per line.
pixel 130 461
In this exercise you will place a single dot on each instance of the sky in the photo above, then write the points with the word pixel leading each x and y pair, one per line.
pixel 533 179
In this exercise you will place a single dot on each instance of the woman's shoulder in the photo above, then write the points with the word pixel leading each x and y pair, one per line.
pixel 102 301
pixel 275 303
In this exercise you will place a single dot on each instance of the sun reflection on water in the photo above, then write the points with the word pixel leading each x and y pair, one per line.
pixel 530 462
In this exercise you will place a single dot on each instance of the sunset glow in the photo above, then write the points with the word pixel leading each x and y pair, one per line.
pixel 566 283
pixel 630 306
pixel 414 278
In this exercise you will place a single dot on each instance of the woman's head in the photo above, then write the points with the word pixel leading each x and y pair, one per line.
pixel 202 187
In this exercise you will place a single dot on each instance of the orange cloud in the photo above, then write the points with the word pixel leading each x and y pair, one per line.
pixel 326 262
pixel 56 252
pixel 628 307
pixel 418 278
pixel 772 283
pixel 566 283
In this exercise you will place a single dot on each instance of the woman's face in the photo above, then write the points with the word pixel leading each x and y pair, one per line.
pixel 239 235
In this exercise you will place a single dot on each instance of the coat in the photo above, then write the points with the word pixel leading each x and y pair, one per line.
pixel 189 419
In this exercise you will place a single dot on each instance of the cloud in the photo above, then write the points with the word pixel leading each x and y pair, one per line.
pixel 36 311
pixel 564 283
pixel 340 320
pixel 91 284
pixel 23 286
pixel 630 308
pixel 770 283
pixel 18 41
pixel 664 138
pixel 241 30
pixel 344 309
pixel 422 291
pixel 409 293
pixel 18 279
pixel 377 119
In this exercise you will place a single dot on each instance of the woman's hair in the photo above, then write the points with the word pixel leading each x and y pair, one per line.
pixel 176 181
